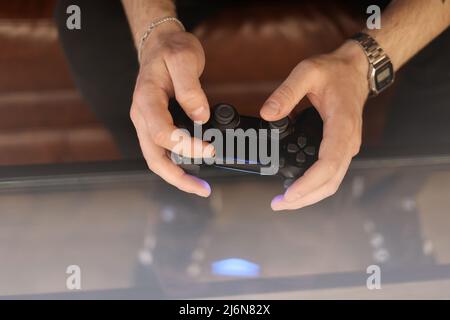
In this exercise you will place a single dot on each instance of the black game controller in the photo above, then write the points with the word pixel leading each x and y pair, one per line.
pixel 299 140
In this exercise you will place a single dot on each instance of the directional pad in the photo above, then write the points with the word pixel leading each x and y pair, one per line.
pixel 302 141
pixel 310 150
pixel 292 148
pixel 296 148
pixel 300 157
pixel 282 162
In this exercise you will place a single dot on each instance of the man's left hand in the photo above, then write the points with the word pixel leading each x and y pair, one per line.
pixel 336 84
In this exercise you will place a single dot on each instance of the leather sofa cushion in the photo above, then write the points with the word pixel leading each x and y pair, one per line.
pixel 251 50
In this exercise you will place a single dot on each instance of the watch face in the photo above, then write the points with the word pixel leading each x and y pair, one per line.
pixel 384 76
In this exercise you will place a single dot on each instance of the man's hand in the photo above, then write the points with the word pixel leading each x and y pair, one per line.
pixel 171 64
pixel 336 84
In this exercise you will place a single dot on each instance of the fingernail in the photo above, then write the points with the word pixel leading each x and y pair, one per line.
pixel 206 192
pixel 276 203
pixel 271 108
pixel 198 112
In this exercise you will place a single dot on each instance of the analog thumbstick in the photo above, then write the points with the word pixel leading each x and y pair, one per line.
pixel 282 124
pixel 225 115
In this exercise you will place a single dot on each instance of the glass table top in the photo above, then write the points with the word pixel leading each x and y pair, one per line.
pixel 134 236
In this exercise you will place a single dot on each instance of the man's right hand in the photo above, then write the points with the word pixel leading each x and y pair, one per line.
pixel 171 64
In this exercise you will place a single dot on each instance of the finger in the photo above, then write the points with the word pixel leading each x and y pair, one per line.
pixel 339 134
pixel 289 93
pixel 174 175
pixel 301 203
pixel 158 162
pixel 185 74
pixel 334 158
pixel 328 189
pixel 321 173
pixel 150 103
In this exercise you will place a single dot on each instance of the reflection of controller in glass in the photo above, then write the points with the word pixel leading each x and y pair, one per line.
pixel 299 139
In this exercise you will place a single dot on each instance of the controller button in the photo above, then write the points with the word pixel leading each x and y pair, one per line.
pixel 288 182
pixel 281 124
pixel 291 172
pixel 300 157
pixel 282 162
pixel 310 151
pixel 224 114
pixel 292 148
pixel 302 141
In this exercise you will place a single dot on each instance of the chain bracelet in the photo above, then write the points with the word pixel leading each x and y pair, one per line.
pixel 152 27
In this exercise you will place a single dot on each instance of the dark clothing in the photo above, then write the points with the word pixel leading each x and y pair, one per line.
pixel 103 62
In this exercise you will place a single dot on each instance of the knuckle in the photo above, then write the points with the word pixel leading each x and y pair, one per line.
pixel 332 188
pixel 133 113
pixel 138 103
pixel 186 96
pixel 147 94
pixel 138 96
pixel 155 168
pixel 158 136
pixel 357 146
pixel 183 49
pixel 178 174
pixel 310 66
pixel 151 164
pixel 142 92
pixel 173 54
pixel 177 51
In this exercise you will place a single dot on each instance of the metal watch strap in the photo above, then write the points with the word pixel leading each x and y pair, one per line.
pixel 377 58
pixel 372 49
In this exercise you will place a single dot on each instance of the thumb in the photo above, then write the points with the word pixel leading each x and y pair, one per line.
pixel 287 95
pixel 188 90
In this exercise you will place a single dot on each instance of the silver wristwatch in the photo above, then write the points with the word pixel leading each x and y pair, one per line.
pixel 381 72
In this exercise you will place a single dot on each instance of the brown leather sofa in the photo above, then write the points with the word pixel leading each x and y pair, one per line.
pixel 43 119
pixel 248 51
pixel 251 50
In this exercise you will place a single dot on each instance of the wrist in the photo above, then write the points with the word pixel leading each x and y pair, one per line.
pixel 355 58
pixel 351 53
pixel 141 13
pixel 157 31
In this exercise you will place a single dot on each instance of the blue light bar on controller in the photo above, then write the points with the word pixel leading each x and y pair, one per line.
pixel 236 268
